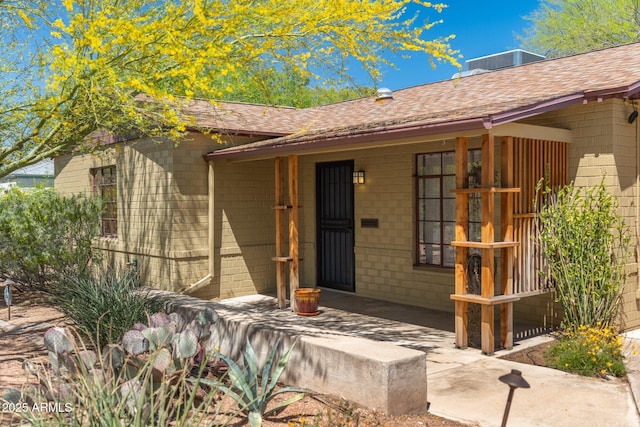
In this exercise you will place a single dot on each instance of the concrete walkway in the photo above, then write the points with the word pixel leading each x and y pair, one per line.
pixel 463 384
pixel 470 392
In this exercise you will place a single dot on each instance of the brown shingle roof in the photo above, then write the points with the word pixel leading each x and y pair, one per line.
pixel 238 117
pixel 476 101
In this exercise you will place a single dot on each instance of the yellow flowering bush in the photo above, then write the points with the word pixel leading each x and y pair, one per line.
pixel 589 351
pixel 87 65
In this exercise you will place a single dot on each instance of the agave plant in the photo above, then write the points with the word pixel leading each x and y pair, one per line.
pixel 251 391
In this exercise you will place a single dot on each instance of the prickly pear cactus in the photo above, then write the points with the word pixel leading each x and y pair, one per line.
pixel 196 327
pixel 131 391
pixel 159 319
pixel 173 346
pixel 11 395
pixel 134 342
pixel 177 320
pixel 139 326
pixel 59 340
pixel 113 357
pixel 185 344
pixel 163 361
pixel 61 392
pixel 160 336
pixel 53 362
pixel 207 317
pixel 88 358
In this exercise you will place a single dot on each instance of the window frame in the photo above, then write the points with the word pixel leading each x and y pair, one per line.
pixel 104 186
pixel 445 194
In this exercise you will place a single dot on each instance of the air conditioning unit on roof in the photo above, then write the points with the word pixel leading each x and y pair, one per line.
pixel 497 61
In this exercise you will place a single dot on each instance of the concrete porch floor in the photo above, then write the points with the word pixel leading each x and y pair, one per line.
pixel 347 314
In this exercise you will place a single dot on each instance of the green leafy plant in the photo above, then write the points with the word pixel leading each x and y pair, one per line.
pixel 44 236
pixel 104 304
pixel 589 351
pixel 253 392
pixel 586 245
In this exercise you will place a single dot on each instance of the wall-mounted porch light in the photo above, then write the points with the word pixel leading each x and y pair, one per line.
pixel 358 177
pixel 634 114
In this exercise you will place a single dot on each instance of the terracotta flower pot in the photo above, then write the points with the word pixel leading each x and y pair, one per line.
pixel 307 301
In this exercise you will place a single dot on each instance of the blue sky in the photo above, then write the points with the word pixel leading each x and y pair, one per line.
pixel 481 28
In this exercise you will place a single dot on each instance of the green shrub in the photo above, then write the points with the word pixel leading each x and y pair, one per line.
pixel 588 351
pixel 44 235
pixel 105 304
pixel 586 245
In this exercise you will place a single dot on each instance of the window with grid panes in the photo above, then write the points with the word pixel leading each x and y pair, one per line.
pixel 105 187
pixel 436 213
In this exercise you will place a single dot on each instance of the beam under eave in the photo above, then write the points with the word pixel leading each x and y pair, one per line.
pixel 519 130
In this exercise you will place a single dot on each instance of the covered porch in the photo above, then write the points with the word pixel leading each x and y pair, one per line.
pixel 384 243
pixel 514 158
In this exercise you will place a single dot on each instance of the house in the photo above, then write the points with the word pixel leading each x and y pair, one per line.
pixel 30 176
pixel 416 196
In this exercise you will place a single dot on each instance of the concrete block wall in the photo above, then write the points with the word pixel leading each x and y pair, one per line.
pixel 163 220
pixel 151 209
pixel 72 173
pixel 384 255
pixel 244 227
pixel 605 147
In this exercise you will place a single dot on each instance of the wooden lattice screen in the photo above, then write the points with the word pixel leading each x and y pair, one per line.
pixel 533 160
pixel 522 164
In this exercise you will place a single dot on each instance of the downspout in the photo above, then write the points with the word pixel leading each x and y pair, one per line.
pixel 637 209
pixel 206 280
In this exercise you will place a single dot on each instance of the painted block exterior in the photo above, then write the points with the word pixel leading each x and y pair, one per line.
pixel 244 227
pixel 163 210
pixel 163 205
pixel 606 148
pixel 384 255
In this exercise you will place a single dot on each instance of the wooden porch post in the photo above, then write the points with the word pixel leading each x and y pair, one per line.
pixel 506 215
pixel 281 258
pixel 281 284
pixel 487 236
pixel 462 232
pixel 294 279
pixel 487 245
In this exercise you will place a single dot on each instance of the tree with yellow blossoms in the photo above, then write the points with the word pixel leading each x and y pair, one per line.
pixel 71 68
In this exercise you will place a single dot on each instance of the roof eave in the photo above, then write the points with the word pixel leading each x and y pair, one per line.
pixel 371 136
pixel 527 111
pixel 631 91
pixel 236 132
pixel 343 141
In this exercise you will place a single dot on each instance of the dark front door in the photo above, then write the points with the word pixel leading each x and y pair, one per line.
pixel 334 192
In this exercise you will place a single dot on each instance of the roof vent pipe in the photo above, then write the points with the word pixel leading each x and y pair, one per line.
pixel 384 94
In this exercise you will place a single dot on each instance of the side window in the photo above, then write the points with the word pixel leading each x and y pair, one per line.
pixel 104 187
